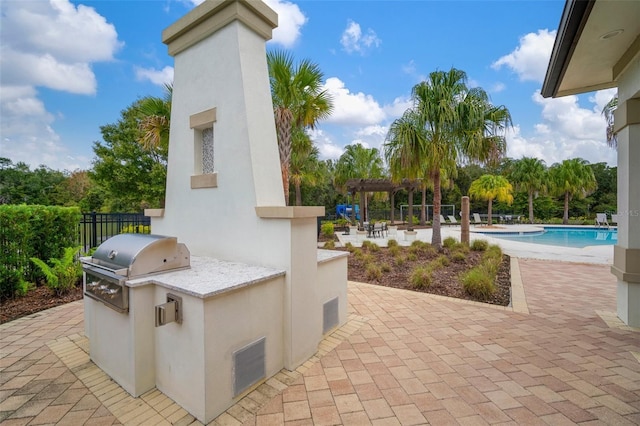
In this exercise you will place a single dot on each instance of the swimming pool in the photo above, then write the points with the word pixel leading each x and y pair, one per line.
pixel 565 236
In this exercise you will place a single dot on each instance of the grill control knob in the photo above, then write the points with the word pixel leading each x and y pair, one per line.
pixel 112 254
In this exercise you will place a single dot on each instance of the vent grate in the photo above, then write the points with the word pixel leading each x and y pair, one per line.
pixel 248 366
pixel 329 315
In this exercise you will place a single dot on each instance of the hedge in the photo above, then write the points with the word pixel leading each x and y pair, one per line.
pixel 33 231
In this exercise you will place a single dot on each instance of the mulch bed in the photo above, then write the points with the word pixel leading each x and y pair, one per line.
pixel 445 280
pixel 38 299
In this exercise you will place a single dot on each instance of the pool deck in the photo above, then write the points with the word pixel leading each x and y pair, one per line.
pixel 602 254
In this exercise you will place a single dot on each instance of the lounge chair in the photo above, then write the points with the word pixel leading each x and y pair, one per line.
pixel 477 220
pixel 601 220
pixel 443 221
pixel 614 218
pixel 452 220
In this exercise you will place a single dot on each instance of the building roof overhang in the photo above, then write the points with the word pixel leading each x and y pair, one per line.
pixel 595 43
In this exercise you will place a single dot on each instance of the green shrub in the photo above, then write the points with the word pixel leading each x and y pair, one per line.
pixel 63 274
pixel 479 245
pixel 385 267
pixel 373 271
pixel 493 252
pixel 392 243
pixel 440 261
pixel 10 279
pixel 33 231
pixel 327 229
pixel 449 242
pixel 395 250
pixel 478 282
pixel 421 277
pixel 458 256
pixel 350 247
pixel 418 247
pixel 412 257
pixel 460 247
pixel 330 245
pixel 400 260
pixel 136 229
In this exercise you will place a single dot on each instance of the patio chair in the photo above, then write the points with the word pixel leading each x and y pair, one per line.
pixel 477 220
pixel 443 221
pixel 614 218
pixel 452 220
pixel 377 229
pixel 601 220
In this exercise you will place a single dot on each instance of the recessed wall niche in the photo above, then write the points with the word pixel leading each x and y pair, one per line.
pixel 204 174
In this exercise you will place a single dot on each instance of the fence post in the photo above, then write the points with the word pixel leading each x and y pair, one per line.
pixel 94 230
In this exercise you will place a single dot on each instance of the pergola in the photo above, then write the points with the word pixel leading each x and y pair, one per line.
pixel 381 185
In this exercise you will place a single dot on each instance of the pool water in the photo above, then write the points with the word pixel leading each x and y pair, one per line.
pixel 566 237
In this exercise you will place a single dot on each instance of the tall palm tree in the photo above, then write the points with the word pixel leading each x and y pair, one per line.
pixel 489 188
pixel 358 162
pixel 447 122
pixel 607 111
pixel 572 178
pixel 304 162
pixel 530 175
pixel 155 119
pixel 298 101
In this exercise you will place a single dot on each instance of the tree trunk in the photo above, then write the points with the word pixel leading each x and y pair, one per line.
pixel 436 238
pixel 283 119
pixel 284 168
pixel 489 215
pixel 410 213
pixel 565 218
pixel 530 206
pixel 423 212
pixel 298 194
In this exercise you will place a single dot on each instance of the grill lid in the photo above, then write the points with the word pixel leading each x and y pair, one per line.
pixel 141 254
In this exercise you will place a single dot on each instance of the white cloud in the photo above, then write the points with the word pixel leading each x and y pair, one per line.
pixel 531 58
pixel 353 40
pixel 290 21
pixel 326 147
pixel 352 108
pixel 398 107
pixel 53 45
pixel 566 131
pixel 157 77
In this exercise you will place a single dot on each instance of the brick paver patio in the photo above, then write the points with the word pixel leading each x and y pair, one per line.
pixel 405 358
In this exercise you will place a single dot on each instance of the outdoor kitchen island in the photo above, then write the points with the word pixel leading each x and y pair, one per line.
pixel 259 296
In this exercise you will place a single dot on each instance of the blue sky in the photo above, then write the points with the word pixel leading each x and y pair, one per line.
pixel 69 67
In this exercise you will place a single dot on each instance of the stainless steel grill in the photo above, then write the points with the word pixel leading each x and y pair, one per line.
pixel 127 256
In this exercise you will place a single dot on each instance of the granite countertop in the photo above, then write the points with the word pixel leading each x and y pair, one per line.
pixel 208 277
pixel 327 255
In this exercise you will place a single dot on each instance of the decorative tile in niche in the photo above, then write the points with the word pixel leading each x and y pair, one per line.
pixel 207 150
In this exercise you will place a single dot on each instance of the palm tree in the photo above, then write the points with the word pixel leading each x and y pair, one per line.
pixel 607 111
pixel 448 120
pixel 155 119
pixel 572 178
pixel 358 162
pixel 530 175
pixel 298 101
pixel 304 162
pixel 404 153
pixel 489 188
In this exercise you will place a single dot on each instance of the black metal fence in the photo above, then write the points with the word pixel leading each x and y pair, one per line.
pixel 95 228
